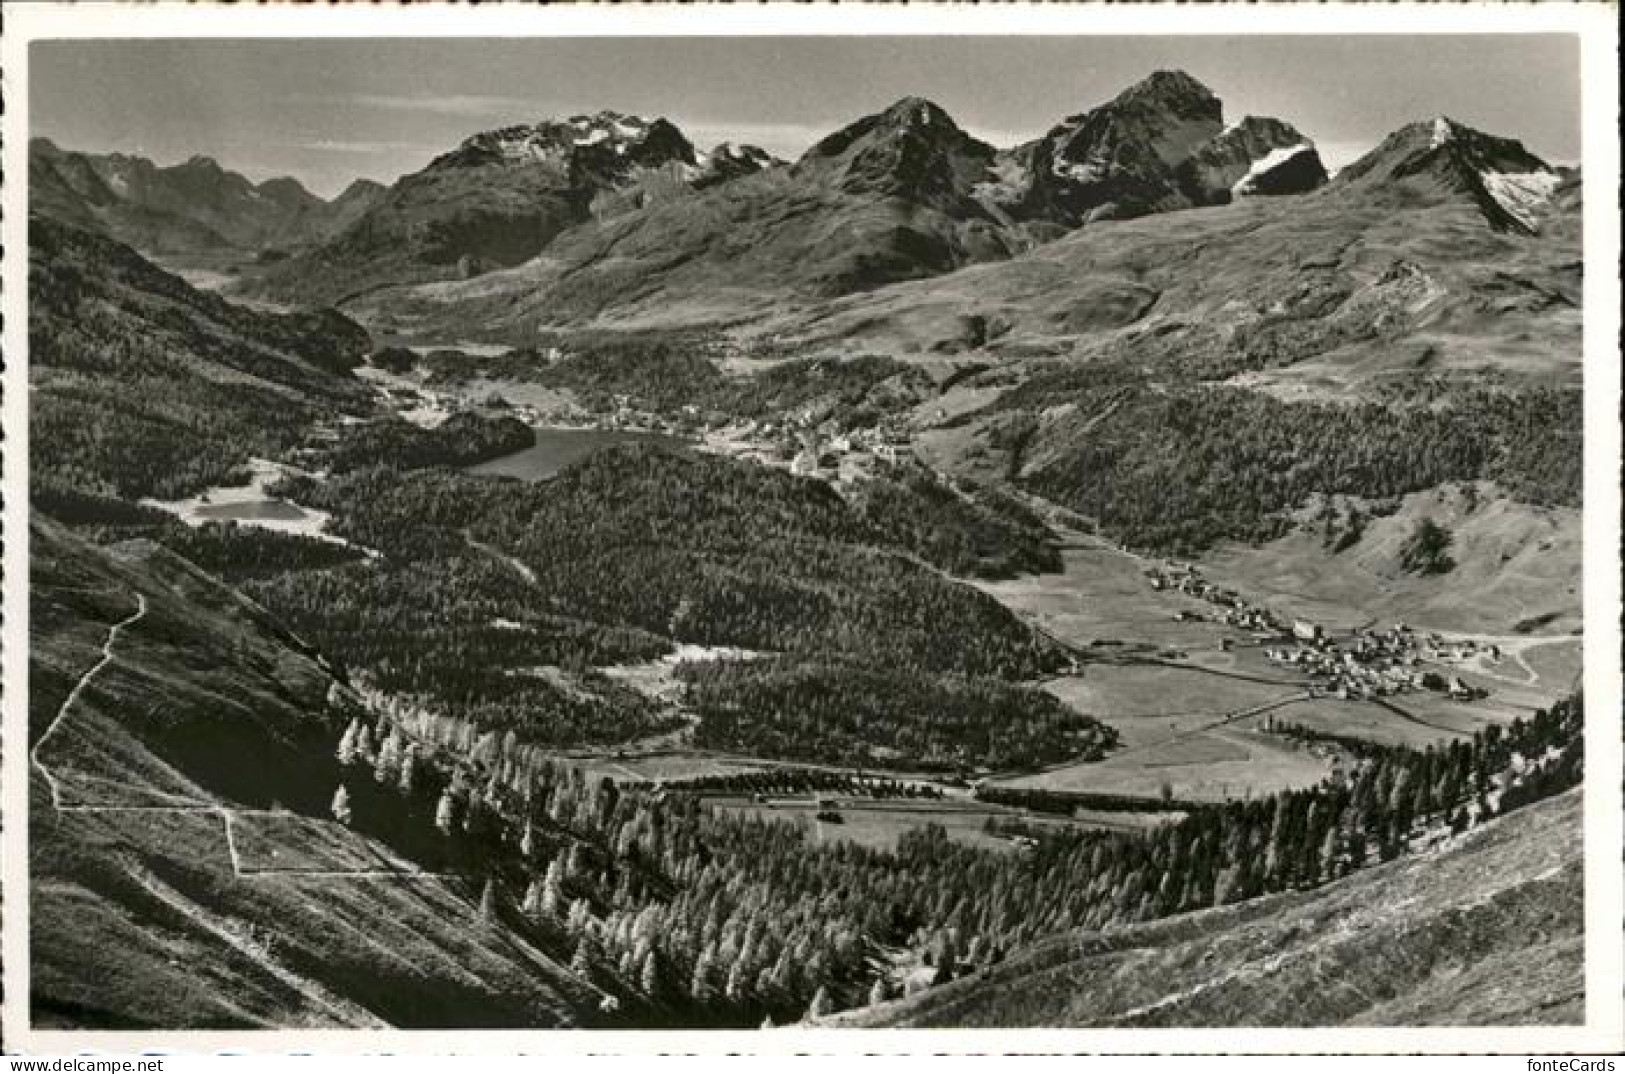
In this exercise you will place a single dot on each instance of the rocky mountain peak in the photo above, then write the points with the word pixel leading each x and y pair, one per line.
pixel 1510 185
pixel 606 134
pixel 1174 92
pixel 912 149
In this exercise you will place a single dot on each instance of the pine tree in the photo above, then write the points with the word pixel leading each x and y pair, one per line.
pixel 702 984
pixel 346 749
pixel 407 781
pixel 532 906
pixel 821 1006
pixel 737 987
pixel 585 960
pixel 580 917
pixel 488 902
pixel 385 768
pixel 445 814
pixel 363 745
pixel 341 805
pixel 552 902
pixel 650 979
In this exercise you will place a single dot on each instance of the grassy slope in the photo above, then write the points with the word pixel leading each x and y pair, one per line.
pixel 1487 931
pixel 1515 562
pixel 1185 285
pixel 208 700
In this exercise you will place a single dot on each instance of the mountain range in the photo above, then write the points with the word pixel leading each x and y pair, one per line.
pixel 899 194
pixel 615 217
pixel 189 207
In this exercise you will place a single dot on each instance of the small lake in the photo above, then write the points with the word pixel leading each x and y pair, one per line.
pixel 254 511
pixel 557 448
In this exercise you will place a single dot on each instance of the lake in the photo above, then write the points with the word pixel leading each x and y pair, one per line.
pixel 557 448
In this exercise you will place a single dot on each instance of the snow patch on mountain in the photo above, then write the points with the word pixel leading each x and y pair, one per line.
pixel 1521 194
pixel 1267 163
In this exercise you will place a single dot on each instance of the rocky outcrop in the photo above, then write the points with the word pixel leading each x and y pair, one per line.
pixel 1160 145
pixel 1258 155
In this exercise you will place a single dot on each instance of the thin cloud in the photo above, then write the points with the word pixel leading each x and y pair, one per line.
pixel 328 146
pixel 451 104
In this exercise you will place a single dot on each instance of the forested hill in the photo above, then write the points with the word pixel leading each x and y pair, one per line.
pixel 1486 932
pixel 625 555
pixel 144 385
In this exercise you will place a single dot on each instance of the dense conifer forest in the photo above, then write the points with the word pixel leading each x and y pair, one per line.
pixel 692 913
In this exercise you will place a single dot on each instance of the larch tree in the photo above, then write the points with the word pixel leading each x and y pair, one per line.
pixel 346 748
pixel 488 901
pixel 341 805
pixel 445 814
pixel 385 768
pixel 407 780
pixel 650 979
pixel 821 1006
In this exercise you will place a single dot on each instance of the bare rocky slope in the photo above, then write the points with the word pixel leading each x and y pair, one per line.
pixel 1484 932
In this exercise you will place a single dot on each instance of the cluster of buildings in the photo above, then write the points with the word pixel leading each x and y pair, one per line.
pixel 1364 664
pixel 1233 609
pixel 818 454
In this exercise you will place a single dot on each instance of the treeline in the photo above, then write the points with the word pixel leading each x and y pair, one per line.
pixel 792 781
pixel 691 916
pixel 1065 803
pixel 1178 469
pixel 465 438
pixel 849 714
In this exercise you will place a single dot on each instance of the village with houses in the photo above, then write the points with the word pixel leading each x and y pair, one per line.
pixel 1362 664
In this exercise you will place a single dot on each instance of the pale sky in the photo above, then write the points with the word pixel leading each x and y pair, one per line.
pixel 328 112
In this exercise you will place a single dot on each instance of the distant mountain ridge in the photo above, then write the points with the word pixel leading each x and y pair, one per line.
pixel 501 196
pixel 189 207
pixel 895 195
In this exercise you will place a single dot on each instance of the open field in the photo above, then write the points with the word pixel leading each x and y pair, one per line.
pixel 1116 692
pixel 1100 595
pixel 878 824
pixel 669 766
pixel 1207 766
pixel 1557 665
